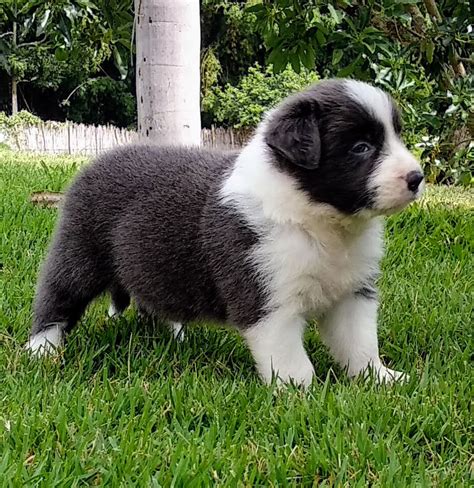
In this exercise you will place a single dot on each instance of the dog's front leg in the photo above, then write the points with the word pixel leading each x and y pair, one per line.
pixel 277 346
pixel 349 330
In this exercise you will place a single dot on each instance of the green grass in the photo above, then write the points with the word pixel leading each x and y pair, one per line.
pixel 125 405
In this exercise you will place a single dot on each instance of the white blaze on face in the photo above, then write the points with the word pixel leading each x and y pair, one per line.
pixel 389 179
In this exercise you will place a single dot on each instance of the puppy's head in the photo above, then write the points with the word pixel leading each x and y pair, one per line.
pixel 340 140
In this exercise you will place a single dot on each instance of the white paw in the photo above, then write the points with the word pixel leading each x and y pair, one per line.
pixel 387 375
pixel 46 342
pixel 177 328
pixel 301 373
pixel 301 378
pixel 112 311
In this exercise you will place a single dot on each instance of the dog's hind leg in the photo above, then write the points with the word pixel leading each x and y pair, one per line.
pixel 177 329
pixel 119 299
pixel 70 279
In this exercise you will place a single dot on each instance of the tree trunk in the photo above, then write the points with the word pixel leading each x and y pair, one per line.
pixel 14 79
pixel 168 54
pixel 456 64
pixel 14 96
pixel 433 9
pixel 418 21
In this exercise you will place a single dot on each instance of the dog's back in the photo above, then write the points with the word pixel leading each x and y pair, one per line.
pixel 177 180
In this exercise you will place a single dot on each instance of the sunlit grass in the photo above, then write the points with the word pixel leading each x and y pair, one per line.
pixel 125 405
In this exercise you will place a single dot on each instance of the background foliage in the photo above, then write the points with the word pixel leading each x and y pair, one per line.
pixel 243 105
pixel 74 59
pixel 419 51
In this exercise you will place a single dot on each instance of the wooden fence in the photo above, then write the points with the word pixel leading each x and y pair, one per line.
pixel 68 138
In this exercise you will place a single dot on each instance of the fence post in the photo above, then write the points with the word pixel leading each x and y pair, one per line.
pixel 68 138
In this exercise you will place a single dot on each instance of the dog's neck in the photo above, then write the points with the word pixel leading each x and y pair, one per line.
pixel 256 181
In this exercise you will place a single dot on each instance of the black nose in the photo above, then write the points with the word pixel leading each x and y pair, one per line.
pixel 414 178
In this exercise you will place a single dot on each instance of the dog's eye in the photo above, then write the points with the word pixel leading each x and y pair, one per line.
pixel 360 148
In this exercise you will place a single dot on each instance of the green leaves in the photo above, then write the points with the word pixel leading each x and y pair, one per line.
pixel 59 40
pixel 337 15
pixel 307 57
pixel 337 56
pixel 393 43
pixel 61 54
pixel 350 68
pixel 242 106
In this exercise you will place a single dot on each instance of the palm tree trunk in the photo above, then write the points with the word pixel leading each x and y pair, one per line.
pixel 168 78
pixel 14 79
pixel 14 95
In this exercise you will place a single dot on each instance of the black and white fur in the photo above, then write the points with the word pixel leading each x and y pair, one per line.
pixel 289 229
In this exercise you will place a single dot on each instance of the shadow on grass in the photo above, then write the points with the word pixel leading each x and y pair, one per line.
pixel 146 345
pixel 135 345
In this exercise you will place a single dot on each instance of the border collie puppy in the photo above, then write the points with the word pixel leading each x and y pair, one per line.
pixel 288 229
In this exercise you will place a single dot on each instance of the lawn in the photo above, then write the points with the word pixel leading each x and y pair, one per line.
pixel 125 405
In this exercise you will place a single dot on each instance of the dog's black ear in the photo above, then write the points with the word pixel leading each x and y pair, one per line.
pixel 293 133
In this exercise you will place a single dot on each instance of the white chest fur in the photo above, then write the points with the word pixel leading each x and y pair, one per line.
pixel 309 254
pixel 310 270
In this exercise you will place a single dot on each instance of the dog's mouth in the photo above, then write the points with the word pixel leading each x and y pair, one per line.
pixel 398 207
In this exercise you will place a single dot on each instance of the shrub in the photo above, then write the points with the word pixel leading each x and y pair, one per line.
pixel 21 119
pixel 11 126
pixel 242 106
